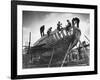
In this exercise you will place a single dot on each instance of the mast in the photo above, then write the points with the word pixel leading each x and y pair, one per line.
pixel 29 43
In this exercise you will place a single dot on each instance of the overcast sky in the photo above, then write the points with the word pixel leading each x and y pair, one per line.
pixel 33 20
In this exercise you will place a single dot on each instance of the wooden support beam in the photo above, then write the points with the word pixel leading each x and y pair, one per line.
pixel 59 34
pixel 66 55
pixel 56 36
pixel 62 33
pixel 51 58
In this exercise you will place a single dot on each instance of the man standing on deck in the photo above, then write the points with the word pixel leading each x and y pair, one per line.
pixel 73 22
pixel 59 26
pixel 68 25
pixel 42 30
pixel 49 31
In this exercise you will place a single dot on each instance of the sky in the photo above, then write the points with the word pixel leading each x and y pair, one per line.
pixel 33 20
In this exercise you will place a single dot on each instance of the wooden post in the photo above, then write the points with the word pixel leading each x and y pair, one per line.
pixel 29 43
pixel 66 55
pixel 51 58
pixel 62 33
pixel 59 34
pixel 56 36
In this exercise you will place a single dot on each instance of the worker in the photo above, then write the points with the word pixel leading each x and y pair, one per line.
pixel 68 25
pixel 59 26
pixel 73 22
pixel 42 30
pixel 49 31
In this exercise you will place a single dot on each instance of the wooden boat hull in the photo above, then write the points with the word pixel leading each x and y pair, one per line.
pixel 59 43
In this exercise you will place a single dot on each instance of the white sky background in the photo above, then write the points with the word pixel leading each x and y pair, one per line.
pixel 33 20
